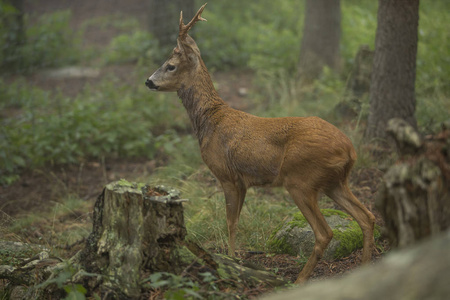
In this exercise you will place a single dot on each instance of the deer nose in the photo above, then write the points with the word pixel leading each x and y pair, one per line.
pixel 150 84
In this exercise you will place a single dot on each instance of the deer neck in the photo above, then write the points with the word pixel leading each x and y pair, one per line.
pixel 203 104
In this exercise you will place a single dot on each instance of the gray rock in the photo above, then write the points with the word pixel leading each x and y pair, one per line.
pixel 296 237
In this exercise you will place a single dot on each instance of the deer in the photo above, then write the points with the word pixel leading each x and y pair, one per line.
pixel 307 156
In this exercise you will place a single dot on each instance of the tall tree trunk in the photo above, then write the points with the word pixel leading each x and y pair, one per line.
pixel 321 36
pixel 164 19
pixel 13 24
pixel 394 69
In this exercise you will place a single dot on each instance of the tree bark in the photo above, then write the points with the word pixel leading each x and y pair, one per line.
pixel 414 197
pixel 394 68
pixel 358 86
pixel 133 232
pixel 321 36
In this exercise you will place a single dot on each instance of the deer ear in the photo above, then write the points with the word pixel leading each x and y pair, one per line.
pixel 189 49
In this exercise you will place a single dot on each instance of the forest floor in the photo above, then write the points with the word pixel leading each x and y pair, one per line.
pixel 37 190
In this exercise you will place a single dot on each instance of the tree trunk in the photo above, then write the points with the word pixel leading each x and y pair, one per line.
pixel 133 232
pixel 358 86
pixel 13 23
pixel 165 16
pixel 321 36
pixel 394 69
pixel 414 198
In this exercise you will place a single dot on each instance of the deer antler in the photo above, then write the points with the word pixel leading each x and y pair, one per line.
pixel 185 28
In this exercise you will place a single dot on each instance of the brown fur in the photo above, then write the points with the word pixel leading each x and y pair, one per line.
pixel 307 156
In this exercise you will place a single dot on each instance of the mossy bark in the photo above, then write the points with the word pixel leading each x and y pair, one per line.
pixel 133 233
pixel 414 197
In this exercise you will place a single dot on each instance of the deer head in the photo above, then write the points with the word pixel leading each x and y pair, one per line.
pixel 182 63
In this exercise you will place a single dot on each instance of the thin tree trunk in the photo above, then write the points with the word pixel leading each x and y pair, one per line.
pixel 321 36
pixel 394 69
pixel 13 22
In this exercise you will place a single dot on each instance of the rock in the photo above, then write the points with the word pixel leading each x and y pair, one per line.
pixel 243 92
pixel 72 72
pixel 419 272
pixel 296 237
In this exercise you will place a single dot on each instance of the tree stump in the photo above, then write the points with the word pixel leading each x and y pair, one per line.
pixel 135 229
pixel 415 195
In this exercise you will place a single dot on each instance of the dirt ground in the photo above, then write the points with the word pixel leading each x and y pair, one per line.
pixel 37 189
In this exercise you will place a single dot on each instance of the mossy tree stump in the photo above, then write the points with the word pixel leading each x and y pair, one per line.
pixel 414 197
pixel 135 230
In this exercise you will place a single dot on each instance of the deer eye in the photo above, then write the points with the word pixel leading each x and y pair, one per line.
pixel 171 68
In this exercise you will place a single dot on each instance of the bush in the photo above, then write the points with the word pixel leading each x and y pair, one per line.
pixel 60 130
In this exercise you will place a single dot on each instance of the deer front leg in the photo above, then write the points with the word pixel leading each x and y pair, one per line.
pixel 234 199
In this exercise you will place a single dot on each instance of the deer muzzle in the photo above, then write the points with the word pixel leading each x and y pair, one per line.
pixel 151 85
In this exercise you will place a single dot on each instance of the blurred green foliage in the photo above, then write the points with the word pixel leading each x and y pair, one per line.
pixel 49 42
pixel 130 47
pixel 38 128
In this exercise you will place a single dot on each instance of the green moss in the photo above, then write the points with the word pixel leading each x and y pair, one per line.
pixel 350 236
pixel 228 269
pixel 126 183
pixel 185 255
pixel 279 245
pixel 300 221
pixel 334 212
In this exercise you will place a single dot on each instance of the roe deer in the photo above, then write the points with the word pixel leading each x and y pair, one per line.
pixel 308 156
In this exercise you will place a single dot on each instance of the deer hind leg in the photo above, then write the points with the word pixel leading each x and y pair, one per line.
pixel 343 196
pixel 306 201
pixel 234 199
